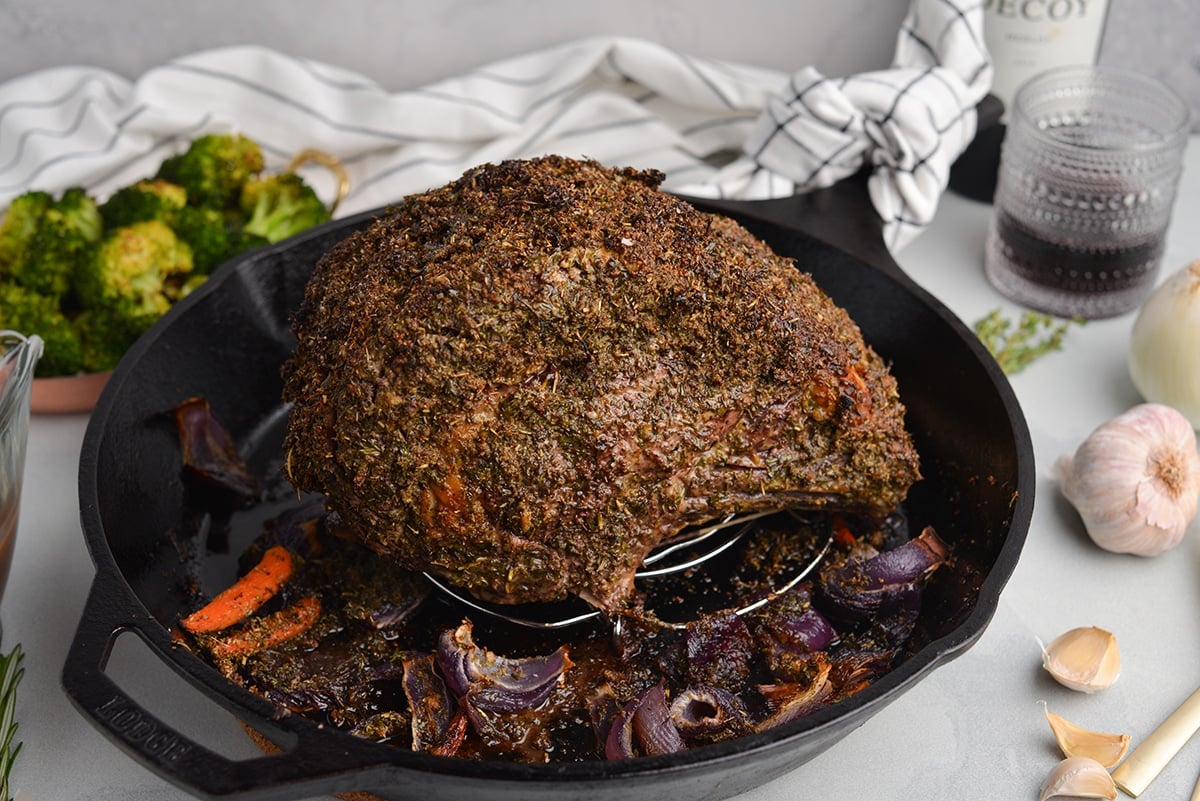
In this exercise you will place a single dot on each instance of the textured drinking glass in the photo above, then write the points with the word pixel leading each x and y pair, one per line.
pixel 18 357
pixel 1087 180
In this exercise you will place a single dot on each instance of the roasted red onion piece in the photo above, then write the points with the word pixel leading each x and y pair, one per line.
pixel 297 529
pixel 852 671
pixel 709 714
pixel 720 651
pixel 603 709
pixel 453 739
pixel 429 702
pixel 791 634
pixel 652 725
pixel 792 701
pixel 885 581
pixel 643 727
pixel 383 594
pixel 209 453
pixel 619 743
pixel 791 622
pixel 389 613
pixel 497 683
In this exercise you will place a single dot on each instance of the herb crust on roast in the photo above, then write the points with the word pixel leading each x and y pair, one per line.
pixel 525 380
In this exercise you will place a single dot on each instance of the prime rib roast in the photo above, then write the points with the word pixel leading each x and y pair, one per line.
pixel 525 380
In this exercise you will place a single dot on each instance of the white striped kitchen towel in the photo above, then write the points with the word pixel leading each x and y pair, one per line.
pixel 714 128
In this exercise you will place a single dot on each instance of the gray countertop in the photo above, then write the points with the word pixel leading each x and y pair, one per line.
pixel 974 728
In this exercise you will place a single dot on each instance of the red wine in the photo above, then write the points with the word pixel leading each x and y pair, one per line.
pixel 1097 280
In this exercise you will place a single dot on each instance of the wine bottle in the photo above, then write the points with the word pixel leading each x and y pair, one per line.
pixel 1024 38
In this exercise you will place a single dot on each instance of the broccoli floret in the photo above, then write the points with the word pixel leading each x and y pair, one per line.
pixel 214 168
pixel 80 211
pixel 153 199
pixel 137 270
pixel 19 224
pixel 64 238
pixel 30 313
pixel 211 234
pixel 281 205
pixel 105 336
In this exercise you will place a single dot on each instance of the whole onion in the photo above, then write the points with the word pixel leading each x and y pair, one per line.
pixel 1164 347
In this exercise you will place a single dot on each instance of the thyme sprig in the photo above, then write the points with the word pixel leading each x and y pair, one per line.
pixel 1015 346
pixel 10 676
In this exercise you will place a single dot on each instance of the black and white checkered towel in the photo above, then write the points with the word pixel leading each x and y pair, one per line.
pixel 714 128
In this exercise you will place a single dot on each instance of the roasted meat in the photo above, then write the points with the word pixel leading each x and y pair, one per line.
pixel 526 380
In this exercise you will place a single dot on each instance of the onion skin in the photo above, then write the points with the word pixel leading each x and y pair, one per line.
pixel 652 725
pixel 709 715
pixel 209 453
pixel 429 702
pixel 885 582
pixel 791 623
pixel 619 743
pixel 643 726
pixel 494 683
pixel 792 701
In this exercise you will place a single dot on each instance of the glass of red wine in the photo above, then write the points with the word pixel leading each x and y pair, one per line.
pixel 1088 171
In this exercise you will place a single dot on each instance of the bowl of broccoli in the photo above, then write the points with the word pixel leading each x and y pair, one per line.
pixel 90 276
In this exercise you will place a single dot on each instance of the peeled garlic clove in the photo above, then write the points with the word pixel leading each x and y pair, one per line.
pixel 1078 777
pixel 1107 749
pixel 1135 480
pixel 1085 659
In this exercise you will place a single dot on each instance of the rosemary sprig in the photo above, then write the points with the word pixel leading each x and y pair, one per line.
pixel 1034 335
pixel 10 676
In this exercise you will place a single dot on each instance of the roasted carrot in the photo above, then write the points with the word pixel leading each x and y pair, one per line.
pixel 241 599
pixel 842 533
pixel 269 631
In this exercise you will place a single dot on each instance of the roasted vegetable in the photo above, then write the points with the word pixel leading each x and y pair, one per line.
pixel 62 238
pixel 243 598
pixel 146 200
pixel 137 270
pixel 18 226
pixel 279 206
pixel 214 169
pixel 26 311
pixel 99 274
pixel 106 336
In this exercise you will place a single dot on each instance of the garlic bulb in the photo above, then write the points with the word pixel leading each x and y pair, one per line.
pixel 1085 659
pixel 1164 347
pixel 1074 740
pixel 1135 480
pixel 1078 777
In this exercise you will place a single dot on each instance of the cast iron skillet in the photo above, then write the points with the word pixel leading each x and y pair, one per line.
pixel 226 342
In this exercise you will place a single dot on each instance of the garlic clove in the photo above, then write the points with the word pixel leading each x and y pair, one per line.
pixel 1085 659
pixel 1078 777
pixel 1074 740
pixel 1135 480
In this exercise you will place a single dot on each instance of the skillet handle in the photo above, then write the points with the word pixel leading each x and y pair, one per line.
pixel 313 767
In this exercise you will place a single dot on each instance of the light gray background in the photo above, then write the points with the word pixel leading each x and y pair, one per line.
pixel 408 43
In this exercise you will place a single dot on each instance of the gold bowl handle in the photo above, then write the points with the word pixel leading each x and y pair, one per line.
pixel 329 162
